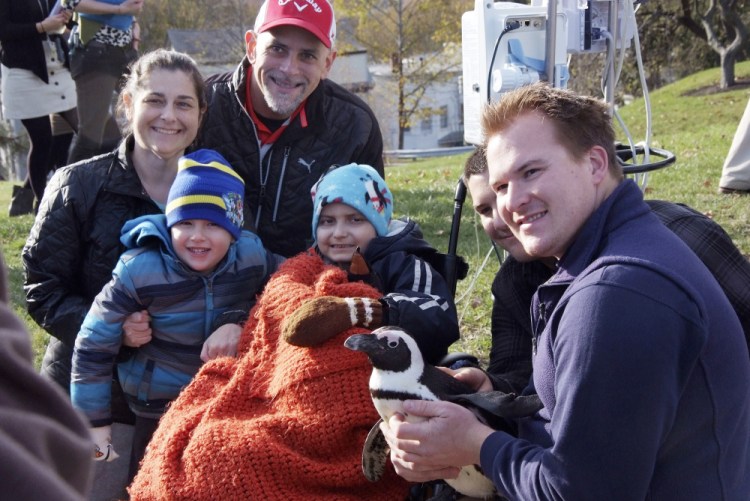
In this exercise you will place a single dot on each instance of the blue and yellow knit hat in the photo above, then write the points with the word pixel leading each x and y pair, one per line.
pixel 206 187
pixel 358 186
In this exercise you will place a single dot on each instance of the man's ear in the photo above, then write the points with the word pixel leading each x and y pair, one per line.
pixel 251 40
pixel 599 162
pixel 329 63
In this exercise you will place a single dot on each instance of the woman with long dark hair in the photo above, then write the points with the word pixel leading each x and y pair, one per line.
pixel 75 241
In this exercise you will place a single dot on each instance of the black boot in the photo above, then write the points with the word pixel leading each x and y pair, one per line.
pixel 21 202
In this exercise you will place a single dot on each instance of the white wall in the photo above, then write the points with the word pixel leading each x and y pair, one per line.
pixel 383 99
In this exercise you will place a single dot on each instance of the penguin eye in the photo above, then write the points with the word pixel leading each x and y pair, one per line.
pixel 392 344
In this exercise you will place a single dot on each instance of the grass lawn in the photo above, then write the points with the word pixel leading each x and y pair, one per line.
pixel 696 127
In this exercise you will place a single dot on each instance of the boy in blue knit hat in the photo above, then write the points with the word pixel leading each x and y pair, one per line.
pixel 352 213
pixel 192 269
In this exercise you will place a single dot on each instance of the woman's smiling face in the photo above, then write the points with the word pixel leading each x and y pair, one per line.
pixel 165 113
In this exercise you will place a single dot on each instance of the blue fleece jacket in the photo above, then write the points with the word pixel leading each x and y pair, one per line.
pixel 643 370
pixel 185 307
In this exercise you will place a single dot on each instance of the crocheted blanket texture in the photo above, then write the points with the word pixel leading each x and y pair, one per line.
pixel 278 422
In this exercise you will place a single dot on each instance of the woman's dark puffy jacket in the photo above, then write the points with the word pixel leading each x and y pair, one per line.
pixel 74 246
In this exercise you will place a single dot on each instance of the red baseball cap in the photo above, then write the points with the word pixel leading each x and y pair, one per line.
pixel 315 16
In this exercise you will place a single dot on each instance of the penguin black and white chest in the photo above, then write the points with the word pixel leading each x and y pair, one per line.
pixel 399 371
pixel 399 374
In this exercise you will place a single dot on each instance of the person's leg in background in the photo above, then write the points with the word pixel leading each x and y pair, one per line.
pixel 39 160
pixel 735 174
pixel 22 199
pixel 111 479
pixel 95 91
pixel 64 127
pixel 143 431
pixel 112 135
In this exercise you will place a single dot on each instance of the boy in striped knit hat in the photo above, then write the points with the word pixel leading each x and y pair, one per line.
pixel 192 268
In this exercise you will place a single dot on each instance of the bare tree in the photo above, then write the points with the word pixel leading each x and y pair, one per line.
pixel 412 35
pixel 719 23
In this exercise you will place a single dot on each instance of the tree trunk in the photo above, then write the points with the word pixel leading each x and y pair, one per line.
pixel 401 121
pixel 719 14
pixel 401 81
pixel 727 69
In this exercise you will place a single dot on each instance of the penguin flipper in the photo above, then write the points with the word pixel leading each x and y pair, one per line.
pixel 374 454
pixel 497 406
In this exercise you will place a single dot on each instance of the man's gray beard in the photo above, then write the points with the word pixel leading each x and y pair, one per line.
pixel 283 106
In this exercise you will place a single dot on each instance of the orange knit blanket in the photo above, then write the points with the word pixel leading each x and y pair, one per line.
pixel 279 422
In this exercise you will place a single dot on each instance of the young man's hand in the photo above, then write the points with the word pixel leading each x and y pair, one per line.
pixel 451 436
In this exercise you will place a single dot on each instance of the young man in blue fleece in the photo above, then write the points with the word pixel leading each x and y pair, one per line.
pixel 638 357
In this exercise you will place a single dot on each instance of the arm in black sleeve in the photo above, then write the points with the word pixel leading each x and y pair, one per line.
pixel 510 355
pixel 420 302
pixel 52 261
pixel 715 248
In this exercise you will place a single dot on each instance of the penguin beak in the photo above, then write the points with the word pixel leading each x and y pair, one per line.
pixel 366 343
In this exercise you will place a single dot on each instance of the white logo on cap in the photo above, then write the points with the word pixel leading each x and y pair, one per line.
pixel 302 7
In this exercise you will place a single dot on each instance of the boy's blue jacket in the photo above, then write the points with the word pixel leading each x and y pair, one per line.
pixel 642 367
pixel 184 307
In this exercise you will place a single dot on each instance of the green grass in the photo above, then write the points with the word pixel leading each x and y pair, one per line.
pixel 699 130
pixel 13 233
pixel 696 128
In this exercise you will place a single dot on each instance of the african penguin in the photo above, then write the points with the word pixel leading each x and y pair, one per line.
pixel 400 373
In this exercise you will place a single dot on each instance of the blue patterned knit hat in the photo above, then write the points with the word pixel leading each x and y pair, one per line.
pixel 206 187
pixel 358 186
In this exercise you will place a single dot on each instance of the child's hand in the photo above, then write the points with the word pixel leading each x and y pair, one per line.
pixel 132 7
pixel 136 329
pixel 103 450
pixel 222 342
pixel 321 318
pixel 55 23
